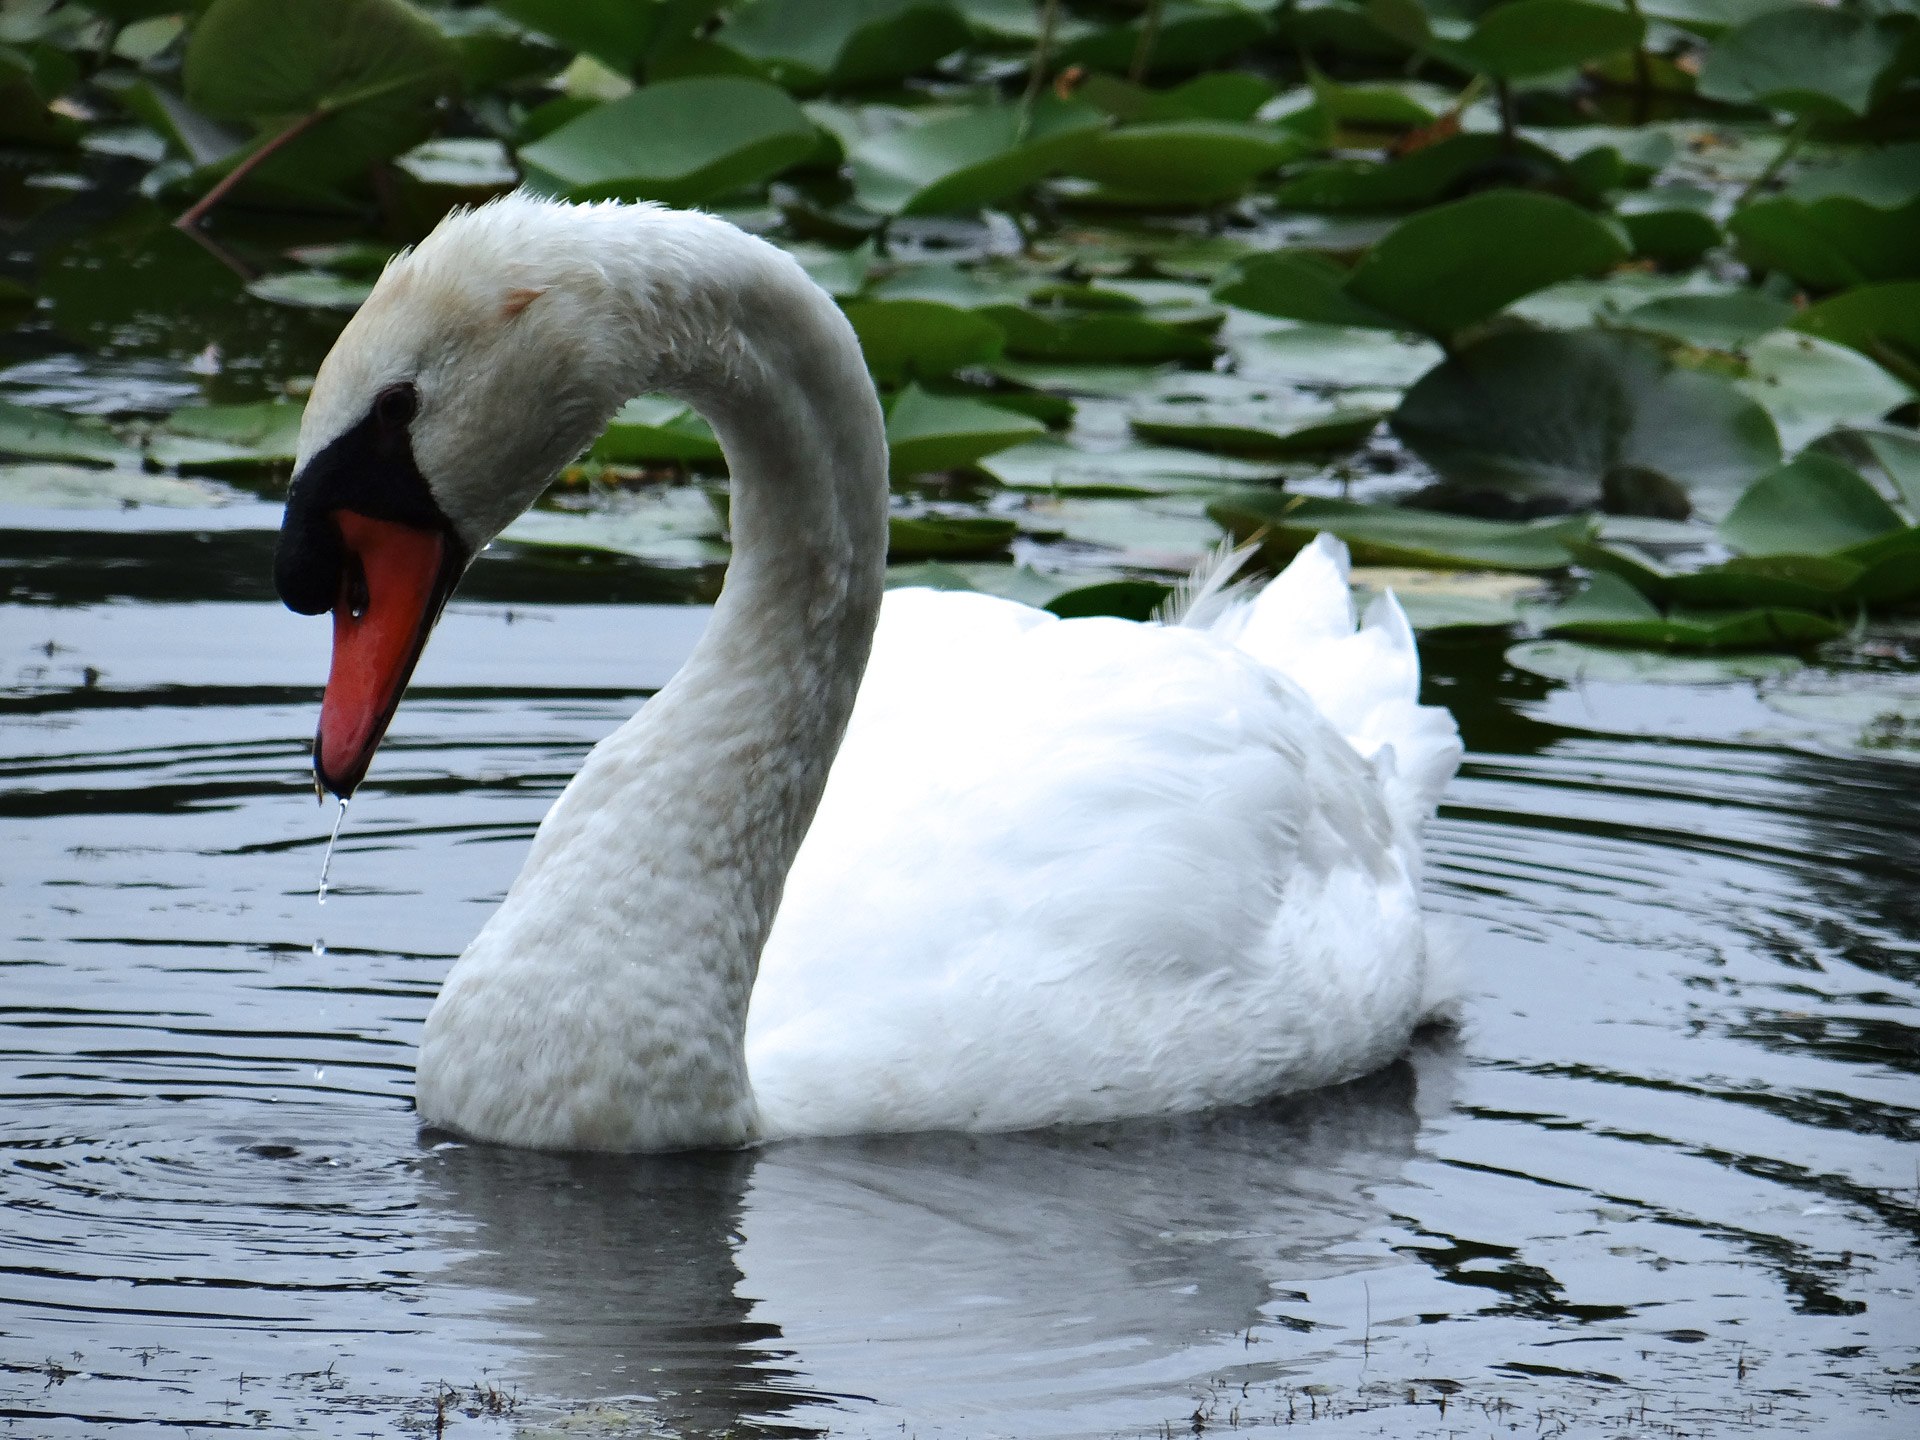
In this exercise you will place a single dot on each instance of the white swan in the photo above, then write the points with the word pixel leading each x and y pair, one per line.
pixel 1060 871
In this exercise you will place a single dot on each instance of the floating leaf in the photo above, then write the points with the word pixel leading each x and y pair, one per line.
pixel 619 32
pixel 1881 321
pixel 681 141
pixel 1897 452
pixel 1298 285
pixel 312 290
pixel 1098 335
pixel 927 432
pixel 1449 599
pixel 1126 599
pixel 1810 385
pixel 237 437
pixel 1561 413
pixel 1518 40
pixel 841 43
pixel 1385 535
pixel 968 161
pixel 493 50
pixel 1061 468
pixel 1190 162
pixel 70 487
pixel 1852 224
pixel 1437 172
pixel 652 429
pixel 1332 357
pixel 926 338
pixel 1244 417
pixel 1571 661
pixel 1455 265
pixel 1813 506
pixel 1672 224
pixel 45 435
pixel 1188 37
pixel 673 526
pixel 944 537
pixel 1721 322
pixel 1607 608
pixel 369 69
pixel 1809 59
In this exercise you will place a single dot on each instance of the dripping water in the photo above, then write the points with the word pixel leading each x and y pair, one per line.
pixel 326 865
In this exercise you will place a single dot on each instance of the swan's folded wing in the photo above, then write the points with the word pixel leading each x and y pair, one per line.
pixel 1070 869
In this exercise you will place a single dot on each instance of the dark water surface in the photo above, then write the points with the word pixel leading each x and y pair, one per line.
pixel 1663 1183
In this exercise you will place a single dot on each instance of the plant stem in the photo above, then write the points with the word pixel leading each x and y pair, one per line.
pixel 246 167
pixel 1149 36
pixel 1642 69
pixel 1504 91
pixel 1788 147
pixel 1037 71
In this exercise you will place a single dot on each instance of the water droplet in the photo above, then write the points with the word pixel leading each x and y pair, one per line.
pixel 319 949
pixel 320 1074
pixel 326 865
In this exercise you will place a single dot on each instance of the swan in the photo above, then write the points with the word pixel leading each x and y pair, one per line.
pixel 1028 871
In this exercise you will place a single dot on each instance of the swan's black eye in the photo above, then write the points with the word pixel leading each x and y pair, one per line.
pixel 393 407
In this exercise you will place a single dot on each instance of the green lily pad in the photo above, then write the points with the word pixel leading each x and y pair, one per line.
pixel 1299 285
pixel 652 429
pixel 1672 224
pixel 71 487
pixel 681 141
pixel 1450 599
pixel 1809 385
pixel 1515 41
pixel 1187 162
pixel 1244 417
pixel 1719 322
pixel 371 68
pixel 1427 176
pixel 1126 599
pixel 1810 59
pixel 1103 336
pixel 927 432
pixel 947 537
pixel 1608 609
pixel 1850 224
pixel 1897 452
pixel 840 273
pixel 27 433
pixel 1189 37
pixel 1387 535
pixel 1332 357
pixel 673 526
pixel 1793 582
pixel 924 338
pixel 312 290
pixel 1234 96
pixel 969 161
pixel 495 51
pixel 237 437
pixel 1575 414
pixel 1114 382
pixel 1812 506
pixel 1571 661
pixel 843 43
pixel 1880 321
pixel 203 142
pixel 1455 265
pixel 1057 467
pixel 621 33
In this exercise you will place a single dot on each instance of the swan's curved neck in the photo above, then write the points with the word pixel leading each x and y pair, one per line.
pixel 619 970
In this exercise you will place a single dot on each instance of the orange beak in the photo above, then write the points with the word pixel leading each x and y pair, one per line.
pixel 393 583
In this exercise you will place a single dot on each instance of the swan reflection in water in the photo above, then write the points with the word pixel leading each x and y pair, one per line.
pixel 1048 1281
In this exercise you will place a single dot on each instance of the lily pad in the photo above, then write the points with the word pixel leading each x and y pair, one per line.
pixel 1849 224
pixel 1608 609
pixel 1574 413
pixel 945 537
pixel 1720 322
pixel 371 71
pixel 265 433
pixel 1060 468
pixel 1429 175
pixel 312 290
pixel 652 429
pixel 1810 385
pixel 927 432
pixel 681 141
pixel 1244 417
pixel 1189 36
pixel 843 43
pixel 1571 661
pixel 1515 41
pixel 1880 321
pixel 620 33
pixel 1449 599
pixel 971 160
pixel 27 433
pixel 1389 535
pixel 1810 59
pixel 1188 162
pixel 1672 224
pixel 1105 336
pixel 70 487
pixel 1813 506
pixel 1332 357
pixel 927 338
pixel 671 526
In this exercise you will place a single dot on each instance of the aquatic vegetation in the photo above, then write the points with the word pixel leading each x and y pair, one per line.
pixel 1457 280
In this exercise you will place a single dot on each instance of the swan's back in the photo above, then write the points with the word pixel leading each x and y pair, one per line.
pixel 1075 869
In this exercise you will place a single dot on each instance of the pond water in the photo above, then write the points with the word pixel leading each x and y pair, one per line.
pixel 1662 1182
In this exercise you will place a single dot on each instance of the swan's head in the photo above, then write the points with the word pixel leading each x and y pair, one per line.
pixel 478 367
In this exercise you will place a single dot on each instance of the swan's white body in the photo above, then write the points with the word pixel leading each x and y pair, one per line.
pixel 1062 870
